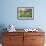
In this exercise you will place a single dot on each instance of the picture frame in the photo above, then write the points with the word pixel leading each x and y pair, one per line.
pixel 25 13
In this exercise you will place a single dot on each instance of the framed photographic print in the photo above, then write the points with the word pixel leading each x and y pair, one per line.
pixel 25 13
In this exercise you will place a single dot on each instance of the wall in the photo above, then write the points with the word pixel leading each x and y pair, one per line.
pixel 9 13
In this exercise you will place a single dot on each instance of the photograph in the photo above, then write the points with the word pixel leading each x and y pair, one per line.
pixel 25 13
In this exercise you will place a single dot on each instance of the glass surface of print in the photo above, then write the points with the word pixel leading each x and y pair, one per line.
pixel 25 13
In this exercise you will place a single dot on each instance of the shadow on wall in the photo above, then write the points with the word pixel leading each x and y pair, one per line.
pixel 2 26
